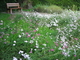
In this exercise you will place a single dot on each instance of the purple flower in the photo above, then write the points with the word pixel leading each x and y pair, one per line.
pixel 78 59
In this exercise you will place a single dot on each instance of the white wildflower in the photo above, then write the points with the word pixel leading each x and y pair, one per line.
pixel 37 29
pixel 31 41
pixel 42 48
pixel 60 48
pixel 20 59
pixel 63 38
pixel 56 59
pixel 65 53
pixel 78 47
pixel 1 23
pixel 44 44
pixel 68 55
pixel 65 44
pixel 64 50
pixel 23 34
pixel 21 29
pixel 20 52
pixel 37 46
pixel 14 58
pixel 35 49
pixel 48 25
pixel 1 20
pixel 26 56
pixel 55 24
pixel 26 41
pixel 14 41
pixel 14 44
pixel 58 29
pixel 19 36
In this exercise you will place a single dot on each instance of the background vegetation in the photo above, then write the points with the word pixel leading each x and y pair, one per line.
pixel 70 4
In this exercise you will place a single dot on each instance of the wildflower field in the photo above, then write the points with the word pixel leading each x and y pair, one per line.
pixel 35 36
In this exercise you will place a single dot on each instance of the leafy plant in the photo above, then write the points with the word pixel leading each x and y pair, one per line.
pixel 48 9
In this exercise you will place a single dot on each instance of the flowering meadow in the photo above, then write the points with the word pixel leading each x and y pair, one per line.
pixel 39 36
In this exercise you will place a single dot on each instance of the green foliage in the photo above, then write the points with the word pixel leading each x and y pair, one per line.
pixel 48 9
pixel 65 4
pixel 29 10
pixel 3 4
pixel 74 7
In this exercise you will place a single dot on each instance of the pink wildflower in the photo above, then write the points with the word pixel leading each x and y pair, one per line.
pixel 32 37
pixel 26 33
pixel 34 30
pixel 31 50
pixel 38 34
pixel 76 38
pixel 66 46
pixel 60 41
pixel 62 47
pixel 0 37
pixel 28 36
pixel 51 49
pixel 74 55
pixel 56 44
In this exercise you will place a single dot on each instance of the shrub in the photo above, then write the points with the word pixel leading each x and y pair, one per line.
pixel 48 9
pixel 74 7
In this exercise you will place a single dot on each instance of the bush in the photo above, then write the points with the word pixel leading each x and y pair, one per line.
pixel 48 9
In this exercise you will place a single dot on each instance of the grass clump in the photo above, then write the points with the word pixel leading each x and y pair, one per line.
pixel 48 9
